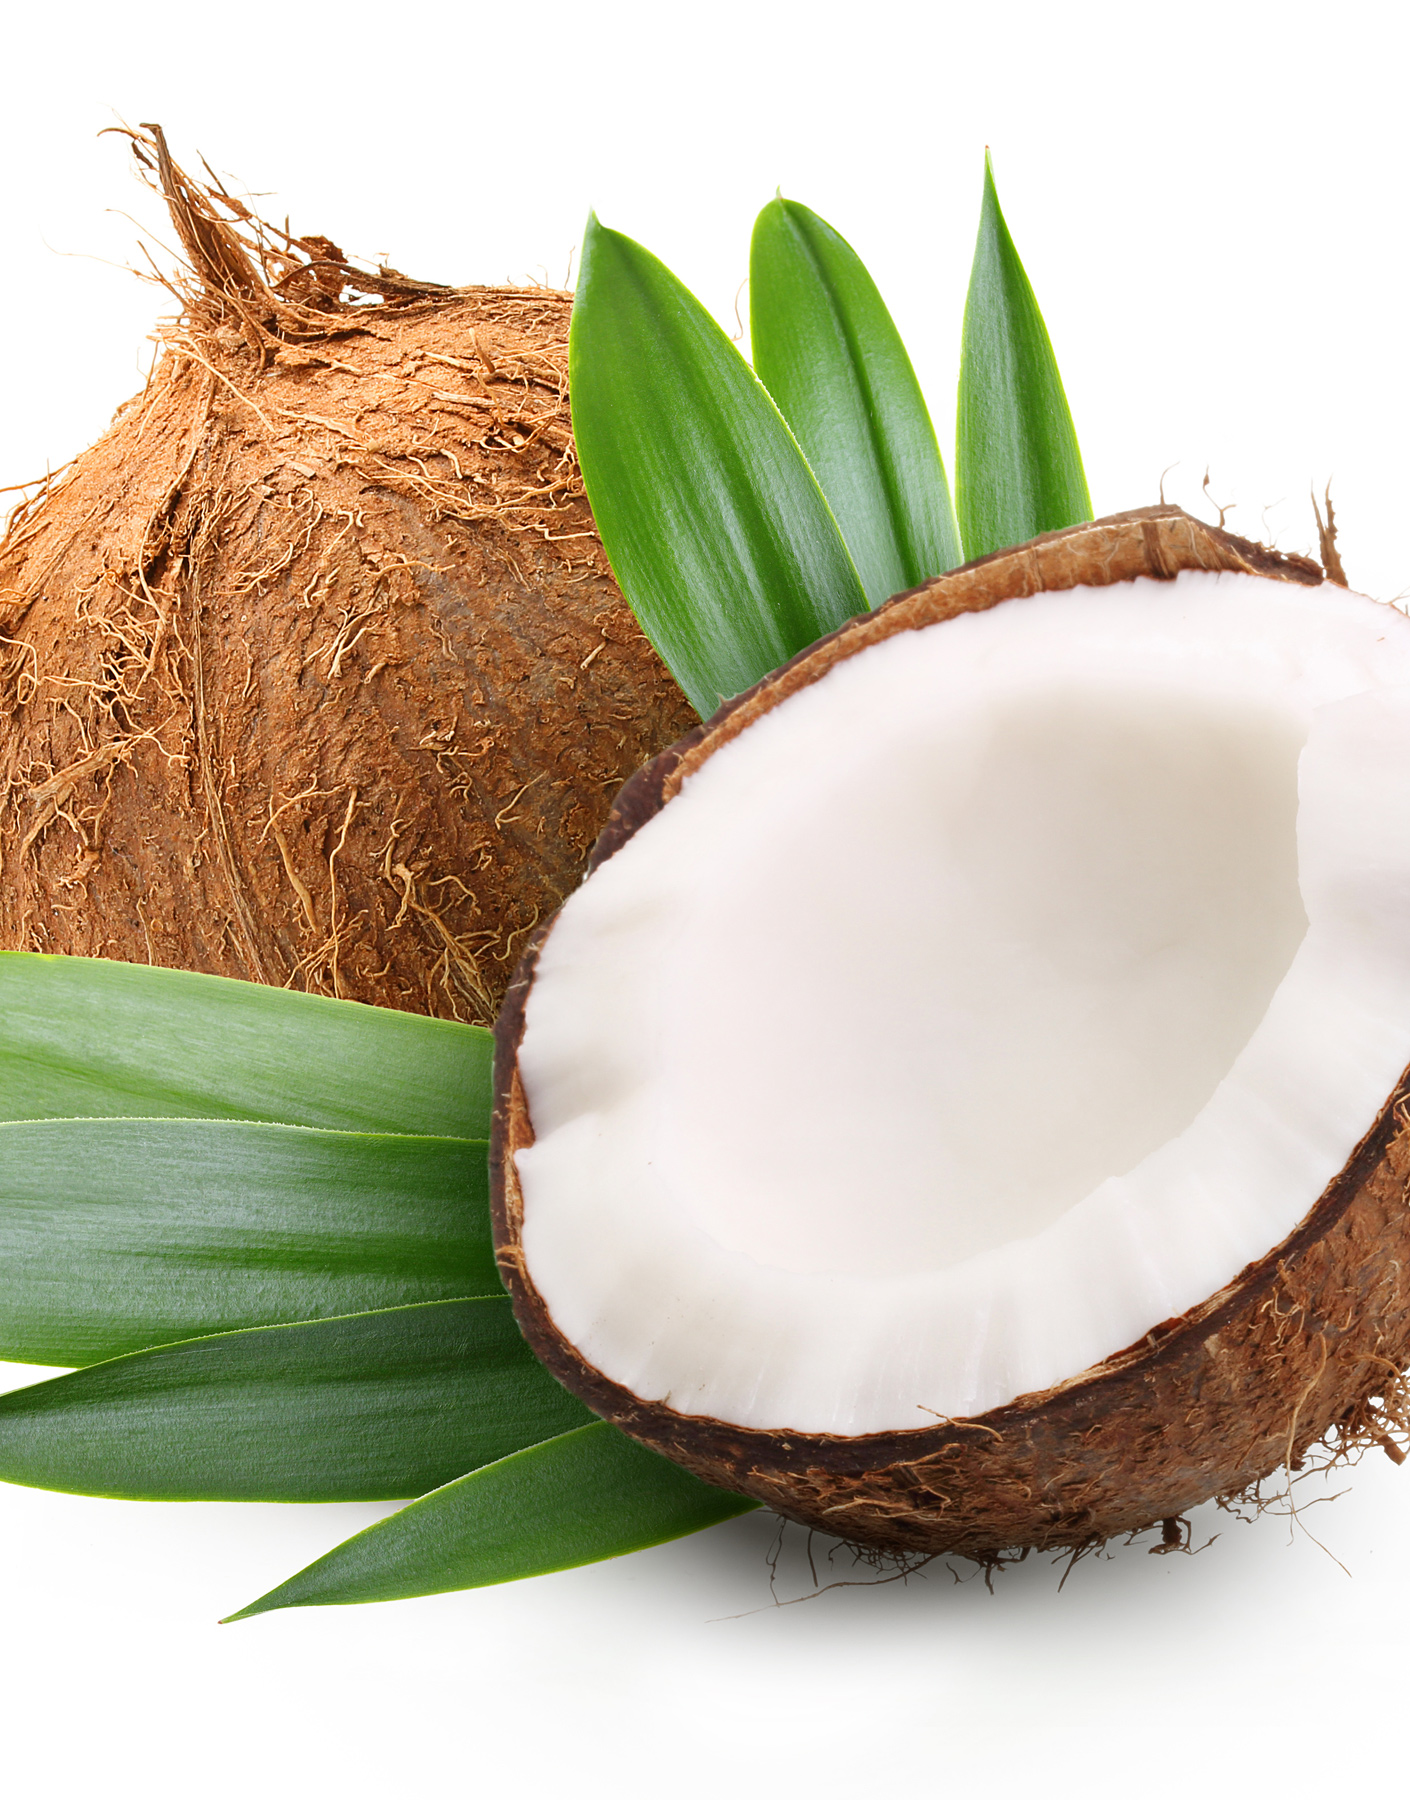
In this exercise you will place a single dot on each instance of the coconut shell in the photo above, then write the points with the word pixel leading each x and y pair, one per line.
pixel 1305 1344
pixel 312 670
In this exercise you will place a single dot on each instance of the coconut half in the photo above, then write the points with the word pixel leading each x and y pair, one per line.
pixel 959 1108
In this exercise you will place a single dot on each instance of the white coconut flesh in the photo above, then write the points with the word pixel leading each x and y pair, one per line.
pixel 990 1001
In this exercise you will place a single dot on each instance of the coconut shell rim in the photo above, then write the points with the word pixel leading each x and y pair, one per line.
pixel 643 796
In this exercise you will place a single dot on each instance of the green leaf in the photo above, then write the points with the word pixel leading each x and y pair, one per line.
pixel 120 1233
pixel 717 532
pixel 1018 471
pixel 579 1498
pixel 380 1406
pixel 84 1037
pixel 826 349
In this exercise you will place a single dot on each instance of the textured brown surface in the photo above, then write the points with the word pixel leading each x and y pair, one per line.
pixel 1303 1345
pixel 312 670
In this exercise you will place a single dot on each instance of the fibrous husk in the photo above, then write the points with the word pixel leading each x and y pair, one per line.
pixel 1306 1345
pixel 312 670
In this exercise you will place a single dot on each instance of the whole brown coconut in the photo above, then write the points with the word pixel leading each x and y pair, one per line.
pixel 1306 1345
pixel 312 670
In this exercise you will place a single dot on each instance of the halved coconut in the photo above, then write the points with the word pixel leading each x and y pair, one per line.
pixel 959 1109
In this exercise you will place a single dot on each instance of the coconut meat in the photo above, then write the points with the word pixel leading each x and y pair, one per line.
pixel 986 1003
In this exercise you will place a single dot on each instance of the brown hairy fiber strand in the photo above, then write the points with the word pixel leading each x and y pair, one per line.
pixel 1305 1346
pixel 312 670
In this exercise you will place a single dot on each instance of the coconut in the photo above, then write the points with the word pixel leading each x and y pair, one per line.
pixel 313 671
pixel 961 1108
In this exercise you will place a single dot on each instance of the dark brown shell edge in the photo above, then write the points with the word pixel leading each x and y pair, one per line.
pixel 1297 1347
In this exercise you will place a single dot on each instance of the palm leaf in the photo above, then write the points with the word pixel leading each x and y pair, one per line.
pixel 84 1037
pixel 120 1233
pixel 1018 470
pixel 381 1406
pixel 717 532
pixel 581 1497
pixel 826 349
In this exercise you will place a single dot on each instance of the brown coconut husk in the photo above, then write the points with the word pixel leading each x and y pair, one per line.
pixel 1305 1346
pixel 312 670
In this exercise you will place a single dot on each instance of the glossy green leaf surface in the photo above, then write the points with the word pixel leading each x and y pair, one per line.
pixel 579 1498
pixel 717 532
pixel 120 1233
pixel 828 352
pixel 381 1406
pixel 1018 470
pixel 80 1037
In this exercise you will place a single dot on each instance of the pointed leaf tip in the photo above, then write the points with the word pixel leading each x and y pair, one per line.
pixel 1018 468
pixel 581 1497
pixel 715 528
pixel 830 355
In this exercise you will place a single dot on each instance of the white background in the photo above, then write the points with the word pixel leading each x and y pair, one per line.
pixel 1212 204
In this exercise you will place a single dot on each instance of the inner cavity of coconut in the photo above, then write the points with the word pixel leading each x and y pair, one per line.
pixel 986 1003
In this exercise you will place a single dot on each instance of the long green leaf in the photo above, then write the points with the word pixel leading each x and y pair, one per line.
pixel 120 1233
pixel 579 1498
pixel 84 1037
pixel 826 349
pixel 1018 470
pixel 381 1406
pixel 716 530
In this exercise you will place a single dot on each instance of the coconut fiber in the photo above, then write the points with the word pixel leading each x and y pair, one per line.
pixel 312 670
